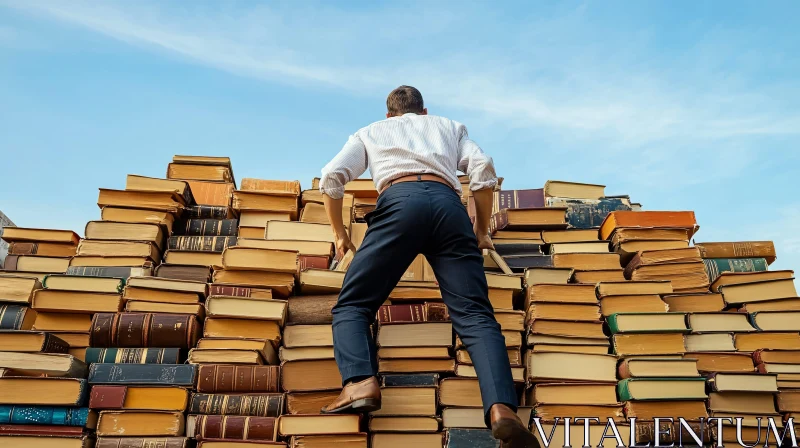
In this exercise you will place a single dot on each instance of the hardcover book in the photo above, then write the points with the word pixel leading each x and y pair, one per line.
pixel 134 330
pixel 219 378
pixel 200 243
pixel 47 415
pixel 203 427
pixel 206 227
pixel 143 374
pixel 589 213
pixel 257 405
pixel 134 355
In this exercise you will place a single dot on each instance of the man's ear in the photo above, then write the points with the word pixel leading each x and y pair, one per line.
pixel 424 111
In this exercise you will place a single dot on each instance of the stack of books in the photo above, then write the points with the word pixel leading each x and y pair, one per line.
pixel 39 251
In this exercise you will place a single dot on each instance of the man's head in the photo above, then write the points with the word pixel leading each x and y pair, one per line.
pixel 403 100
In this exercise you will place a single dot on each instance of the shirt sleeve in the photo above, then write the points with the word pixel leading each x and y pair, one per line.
pixel 350 163
pixel 474 162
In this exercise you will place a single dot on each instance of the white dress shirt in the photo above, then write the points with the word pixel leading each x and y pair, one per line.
pixel 409 144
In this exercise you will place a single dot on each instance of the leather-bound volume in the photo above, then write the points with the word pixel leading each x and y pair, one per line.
pixel 518 199
pixel 134 355
pixel 144 442
pixel 313 262
pixel 143 330
pixel 223 378
pixel 739 249
pixel 143 374
pixel 45 249
pixel 208 212
pixel 206 227
pixel 239 291
pixel 107 397
pixel 310 310
pixel 43 430
pixel 234 427
pixel 111 271
pixel 184 272
pixel 43 415
pixel 16 317
pixel 10 263
pixel 406 313
pixel 34 341
pixel 257 405
pixel 200 243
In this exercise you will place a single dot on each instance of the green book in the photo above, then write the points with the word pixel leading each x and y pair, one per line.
pixel 716 266
pixel 661 389
pixel 647 323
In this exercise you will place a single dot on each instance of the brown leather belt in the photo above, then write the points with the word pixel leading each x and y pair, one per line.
pixel 416 178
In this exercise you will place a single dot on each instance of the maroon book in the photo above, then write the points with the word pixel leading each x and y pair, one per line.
pixel 143 330
pixel 223 378
pixel 408 313
pixel 519 199
pixel 42 430
pixel 234 427
pixel 313 262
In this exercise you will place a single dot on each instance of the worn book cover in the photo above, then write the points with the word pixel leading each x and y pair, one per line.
pixel 144 374
pixel 589 213
pixel 257 405
pixel 193 243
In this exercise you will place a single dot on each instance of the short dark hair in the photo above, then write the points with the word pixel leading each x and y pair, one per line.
pixel 404 99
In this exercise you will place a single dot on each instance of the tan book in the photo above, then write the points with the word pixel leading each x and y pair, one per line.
pixel 241 328
pixel 414 353
pixel 212 193
pixel 588 349
pixel 748 342
pixel 720 323
pixel 573 393
pixel 658 368
pixel 137 215
pixel 549 412
pixel 510 320
pixel 308 336
pixel 168 284
pixel 43 249
pixel 76 302
pixel 625 234
pixel 462 356
pixel 305 353
pixel 648 323
pixel 790 304
pixel 211 173
pixel 246 308
pixel 82 283
pixel 416 365
pixel 27 341
pixel 125 231
pixel 712 342
pixel 143 183
pixel 381 424
pixel 570 236
pixel 253 233
pixel 265 202
pixel 245 258
pixel 573 190
pixel 407 401
pixel 738 278
pixel 302 231
pixel 281 284
pixel 320 281
pixel 459 392
pixel 193 258
pixel 332 441
pixel 202 160
pixel 604 275
pixel 160 398
pixel 743 382
pixel 625 288
pixel 630 248
pixel 722 361
pixel 561 293
pixel 103 248
pixel 535 276
pixel 587 262
pixel 632 304
pixel 533 339
pixel 546 367
pixel 224 356
pixel 111 261
pixel 779 356
pixel 312 248
pixel 759 291
pixel 75 340
pixel 36 263
pixel 157 295
pixel 501 299
pixel 428 334
pixel 315 213
pixel 277 187
pixel 63 322
pixel 293 425
pixel 648 344
pixel 598 247
pixel 695 303
pixel 593 330
pixel 502 281
pixel 41 391
pixel 254 218
pixel 742 402
pixel 262 346
pixel 14 234
pixel 18 288
pixel 468 371
pixel 685 277
pixel 140 423
pixel 563 311
pixel 50 364
pixel 137 306
pixel 648 410
pixel 310 375
pixel 165 201
pixel 310 402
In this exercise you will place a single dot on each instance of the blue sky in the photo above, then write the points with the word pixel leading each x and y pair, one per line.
pixel 683 105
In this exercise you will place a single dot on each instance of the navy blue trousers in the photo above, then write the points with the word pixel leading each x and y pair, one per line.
pixel 428 218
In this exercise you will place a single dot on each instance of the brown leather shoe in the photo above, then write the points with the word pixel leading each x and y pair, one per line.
pixel 357 398
pixel 507 427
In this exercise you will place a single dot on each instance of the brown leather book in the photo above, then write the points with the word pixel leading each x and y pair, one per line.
pixel 221 378
pixel 231 427
pixel 256 405
pixel 310 310
pixel 184 272
pixel 406 313
pixel 45 249
pixel 107 397
pixel 206 227
pixel 143 330
pixel 239 291
pixel 143 442
pixel 313 262
pixel 739 249
pixel 198 243
pixel 42 430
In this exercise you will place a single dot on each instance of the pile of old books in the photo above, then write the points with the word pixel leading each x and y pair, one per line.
pixel 199 311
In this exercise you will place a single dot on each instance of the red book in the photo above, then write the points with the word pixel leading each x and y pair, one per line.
pixel 42 430
pixel 232 427
pixel 313 262
pixel 407 313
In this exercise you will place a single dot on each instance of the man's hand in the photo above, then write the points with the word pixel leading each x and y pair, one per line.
pixel 343 245
pixel 484 240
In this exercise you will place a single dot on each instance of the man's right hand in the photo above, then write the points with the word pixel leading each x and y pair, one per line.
pixel 343 245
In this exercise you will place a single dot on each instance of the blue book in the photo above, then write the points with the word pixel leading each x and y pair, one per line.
pixel 44 415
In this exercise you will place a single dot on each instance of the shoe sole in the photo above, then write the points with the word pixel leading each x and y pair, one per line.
pixel 514 435
pixel 363 406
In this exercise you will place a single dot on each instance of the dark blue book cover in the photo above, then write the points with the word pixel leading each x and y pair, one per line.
pixel 43 415
pixel 143 374
pixel 411 380
pixel 470 438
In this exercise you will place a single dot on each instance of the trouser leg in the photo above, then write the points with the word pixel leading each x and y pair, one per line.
pixel 389 247
pixel 458 264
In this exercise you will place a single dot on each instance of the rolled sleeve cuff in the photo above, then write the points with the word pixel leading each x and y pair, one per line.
pixel 476 185
pixel 332 192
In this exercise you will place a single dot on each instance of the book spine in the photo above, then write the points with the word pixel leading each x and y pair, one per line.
pixel 758 356
pixel 589 214
pixel 135 330
pixel 207 212
pixel 12 316
pixel 200 243
pixel 143 374
pixel 519 199
pixel 238 379
pixel 257 405
pixel 230 291
pixel 22 248
pixel 107 397
pixel 10 263
pixel 437 312
pixel 716 266
pixel 54 344
pixel 103 271
pixel 742 249
pixel 312 262
pixel 43 430
pixel 623 390
pixel 43 415
pixel 499 221
pixel 624 370
pixel 613 324
pixel 234 427
pixel 133 355
pixel 401 313
pixel 410 380
pixel 142 442
pixel 206 227
pixel 310 310
pixel 517 249
pixel 761 368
